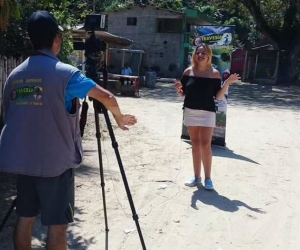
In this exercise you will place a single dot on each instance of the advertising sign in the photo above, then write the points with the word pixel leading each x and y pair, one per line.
pixel 219 38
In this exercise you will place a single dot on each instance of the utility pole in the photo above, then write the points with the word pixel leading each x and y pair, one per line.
pixel 94 6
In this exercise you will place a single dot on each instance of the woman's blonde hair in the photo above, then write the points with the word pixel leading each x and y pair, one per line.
pixel 207 50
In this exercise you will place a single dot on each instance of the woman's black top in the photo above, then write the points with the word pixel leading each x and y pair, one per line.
pixel 200 92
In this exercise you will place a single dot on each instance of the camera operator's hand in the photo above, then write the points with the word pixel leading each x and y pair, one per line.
pixel 125 120
pixel 110 103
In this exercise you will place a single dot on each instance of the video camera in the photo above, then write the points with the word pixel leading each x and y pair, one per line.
pixel 94 46
pixel 96 22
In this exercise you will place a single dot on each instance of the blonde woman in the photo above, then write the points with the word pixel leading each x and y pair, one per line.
pixel 200 84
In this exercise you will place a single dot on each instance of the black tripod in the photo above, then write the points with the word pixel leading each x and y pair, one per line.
pixel 99 108
pixel 8 214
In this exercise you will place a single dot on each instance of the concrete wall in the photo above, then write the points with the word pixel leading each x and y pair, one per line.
pixel 162 49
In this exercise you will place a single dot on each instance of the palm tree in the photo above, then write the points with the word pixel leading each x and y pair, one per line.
pixel 8 8
pixel 13 9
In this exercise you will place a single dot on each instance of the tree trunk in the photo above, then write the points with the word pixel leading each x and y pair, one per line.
pixel 287 71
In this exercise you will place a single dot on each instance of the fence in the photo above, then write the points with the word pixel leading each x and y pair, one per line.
pixel 6 66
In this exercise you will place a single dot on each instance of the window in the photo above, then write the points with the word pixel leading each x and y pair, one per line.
pixel 131 21
pixel 169 25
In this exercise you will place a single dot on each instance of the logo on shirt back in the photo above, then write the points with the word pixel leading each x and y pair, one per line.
pixel 27 92
pixel 38 91
pixel 27 95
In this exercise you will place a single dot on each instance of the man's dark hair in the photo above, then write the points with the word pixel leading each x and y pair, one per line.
pixel 43 42
pixel 42 28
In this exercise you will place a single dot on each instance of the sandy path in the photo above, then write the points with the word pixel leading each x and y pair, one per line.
pixel 256 201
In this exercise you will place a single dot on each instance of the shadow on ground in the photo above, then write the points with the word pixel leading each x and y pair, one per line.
pixel 163 92
pixel 75 241
pixel 7 195
pixel 226 153
pixel 88 170
pixel 265 96
pixel 213 198
pixel 246 94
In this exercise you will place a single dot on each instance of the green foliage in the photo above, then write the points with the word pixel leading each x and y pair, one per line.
pixel 8 8
pixel 278 20
pixel 67 20
pixel 115 5
pixel 245 31
pixel 169 4
pixel 14 40
pixel 71 12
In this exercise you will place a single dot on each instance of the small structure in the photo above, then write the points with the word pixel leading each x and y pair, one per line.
pixel 111 40
pixel 79 35
pixel 131 56
pixel 162 33
pixel 261 64
pixel 134 59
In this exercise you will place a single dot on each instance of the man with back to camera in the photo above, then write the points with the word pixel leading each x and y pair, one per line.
pixel 40 140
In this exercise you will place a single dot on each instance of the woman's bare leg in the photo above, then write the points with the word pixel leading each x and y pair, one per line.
pixel 205 148
pixel 194 134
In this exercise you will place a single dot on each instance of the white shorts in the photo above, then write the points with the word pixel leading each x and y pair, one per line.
pixel 202 118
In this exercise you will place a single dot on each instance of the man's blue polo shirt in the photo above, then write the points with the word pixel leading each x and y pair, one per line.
pixel 78 87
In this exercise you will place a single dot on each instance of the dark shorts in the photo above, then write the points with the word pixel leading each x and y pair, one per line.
pixel 52 196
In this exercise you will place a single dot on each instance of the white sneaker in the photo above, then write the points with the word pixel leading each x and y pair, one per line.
pixel 192 182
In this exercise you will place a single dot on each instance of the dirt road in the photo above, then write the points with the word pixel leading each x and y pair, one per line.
pixel 256 201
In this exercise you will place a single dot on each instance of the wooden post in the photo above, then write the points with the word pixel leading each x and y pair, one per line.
pixel 245 65
pixel 255 69
pixel 106 55
pixel 83 60
pixel 277 66
pixel 248 67
pixel 123 58
pixel 140 62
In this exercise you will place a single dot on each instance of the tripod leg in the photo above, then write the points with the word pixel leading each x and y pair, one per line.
pixel 115 146
pixel 98 136
pixel 8 214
